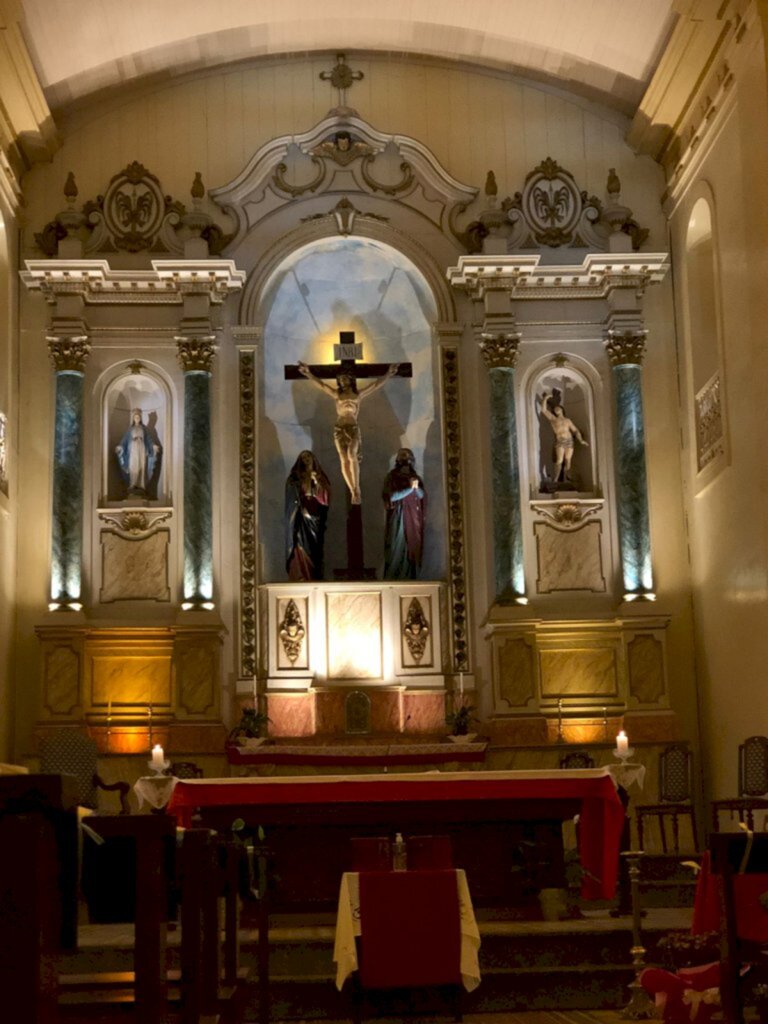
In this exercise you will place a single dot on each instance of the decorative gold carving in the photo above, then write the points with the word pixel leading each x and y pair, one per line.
pixel 278 179
pixel 389 190
pixel 645 654
pixel 69 354
pixel 457 567
pixel 134 569
pixel 552 205
pixel 291 632
pixel 61 683
pixel 342 148
pixel 625 348
pixel 133 211
pixel 247 367
pixel 416 630
pixel 514 667
pixel 709 422
pixel 196 354
pixel 341 77
pixel 566 514
pixel 500 350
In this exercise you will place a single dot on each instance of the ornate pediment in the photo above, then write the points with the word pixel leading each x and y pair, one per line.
pixel 342 157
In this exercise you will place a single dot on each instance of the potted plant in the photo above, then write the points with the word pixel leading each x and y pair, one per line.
pixel 249 731
pixel 459 719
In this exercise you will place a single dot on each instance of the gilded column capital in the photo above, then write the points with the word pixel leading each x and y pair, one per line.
pixel 625 347
pixel 69 352
pixel 195 355
pixel 500 350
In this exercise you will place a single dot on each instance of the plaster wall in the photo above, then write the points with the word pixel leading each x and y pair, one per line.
pixel 728 541
pixel 472 121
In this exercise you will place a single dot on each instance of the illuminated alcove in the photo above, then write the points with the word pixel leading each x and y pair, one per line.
pixel 365 286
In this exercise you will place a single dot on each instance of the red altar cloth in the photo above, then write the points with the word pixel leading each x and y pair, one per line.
pixel 601 813
pixel 751 916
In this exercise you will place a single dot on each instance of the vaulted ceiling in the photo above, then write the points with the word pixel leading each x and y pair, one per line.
pixel 604 49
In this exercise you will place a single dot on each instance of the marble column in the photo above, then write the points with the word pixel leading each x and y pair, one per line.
pixel 625 350
pixel 69 355
pixel 196 359
pixel 500 354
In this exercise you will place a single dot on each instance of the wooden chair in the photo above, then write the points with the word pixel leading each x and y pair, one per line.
pixel 577 759
pixel 675 801
pixel 743 875
pixel 71 752
pixel 753 787
pixel 185 770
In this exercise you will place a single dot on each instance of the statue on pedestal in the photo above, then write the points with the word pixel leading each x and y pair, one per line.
pixel 405 501
pixel 307 496
pixel 137 455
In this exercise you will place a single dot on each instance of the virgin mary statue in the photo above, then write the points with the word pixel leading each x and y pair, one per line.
pixel 137 455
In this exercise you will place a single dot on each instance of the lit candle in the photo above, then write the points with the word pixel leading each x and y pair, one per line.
pixel 622 743
pixel 158 757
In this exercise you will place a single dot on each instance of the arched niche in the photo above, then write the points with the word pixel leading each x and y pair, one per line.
pixel 367 286
pixel 136 413
pixel 559 424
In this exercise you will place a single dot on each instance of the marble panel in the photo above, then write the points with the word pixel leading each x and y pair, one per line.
pixel 505 469
pixel 515 681
pixel 134 568
pixel 579 672
pixel 61 680
pixel 292 634
pixel 329 712
pixel 291 714
pixel 140 679
pixel 569 559
pixel 645 655
pixel 424 712
pixel 354 635
pixel 386 711
pixel 197 678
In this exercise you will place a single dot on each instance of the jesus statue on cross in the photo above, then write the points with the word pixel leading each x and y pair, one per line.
pixel 348 396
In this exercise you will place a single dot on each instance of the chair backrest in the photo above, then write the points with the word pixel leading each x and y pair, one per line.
pixel 185 770
pixel 577 759
pixel 753 766
pixel 71 752
pixel 675 774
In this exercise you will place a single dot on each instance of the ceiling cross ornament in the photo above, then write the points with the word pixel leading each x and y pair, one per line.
pixel 341 77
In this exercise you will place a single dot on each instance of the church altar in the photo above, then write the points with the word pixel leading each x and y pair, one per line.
pixel 371 755
pixel 493 818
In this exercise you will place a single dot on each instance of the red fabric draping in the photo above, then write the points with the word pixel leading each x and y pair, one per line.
pixel 601 815
pixel 410 929
pixel 751 916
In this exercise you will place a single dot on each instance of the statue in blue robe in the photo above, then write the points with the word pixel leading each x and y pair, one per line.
pixel 137 455
pixel 405 501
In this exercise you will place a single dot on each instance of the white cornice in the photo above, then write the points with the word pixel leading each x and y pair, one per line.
pixel 167 283
pixel 524 278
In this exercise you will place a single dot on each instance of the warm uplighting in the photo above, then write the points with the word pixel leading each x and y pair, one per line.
pixel 207 606
pixel 64 606
pixel 646 596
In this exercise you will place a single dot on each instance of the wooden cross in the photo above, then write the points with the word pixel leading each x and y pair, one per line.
pixel 348 351
pixel 341 77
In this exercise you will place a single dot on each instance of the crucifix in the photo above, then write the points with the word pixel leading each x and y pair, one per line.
pixel 341 77
pixel 346 432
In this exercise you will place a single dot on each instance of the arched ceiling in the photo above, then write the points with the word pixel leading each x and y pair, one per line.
pixel 603 49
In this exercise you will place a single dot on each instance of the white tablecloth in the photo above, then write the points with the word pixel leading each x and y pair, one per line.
pixel 156 790
pixel 348 927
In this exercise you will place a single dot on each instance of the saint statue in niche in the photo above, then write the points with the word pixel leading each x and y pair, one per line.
pixel 346 432
pixel 138 457
pixel 566 434
pixel 405 501
pixel 307 496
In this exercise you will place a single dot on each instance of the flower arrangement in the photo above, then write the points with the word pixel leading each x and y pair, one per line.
pixel 460 718
pixel 251 725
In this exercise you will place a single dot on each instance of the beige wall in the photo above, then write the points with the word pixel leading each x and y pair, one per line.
pixel 726 508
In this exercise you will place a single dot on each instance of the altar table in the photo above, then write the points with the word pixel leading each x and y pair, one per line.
pixel 496 821
pixel 349 925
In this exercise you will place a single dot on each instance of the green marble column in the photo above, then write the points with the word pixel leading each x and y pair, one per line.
pixel 500 354
pixel 625 351
pixel 196 358
pixel 69 355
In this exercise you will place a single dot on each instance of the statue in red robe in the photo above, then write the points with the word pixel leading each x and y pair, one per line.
pixel 406 502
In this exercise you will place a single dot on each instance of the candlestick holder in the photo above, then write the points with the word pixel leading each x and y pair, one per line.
pixel 623 755
pixel 560 737
pixel 158 768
